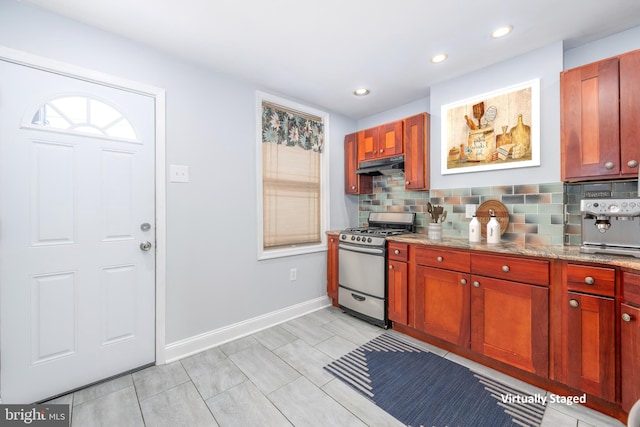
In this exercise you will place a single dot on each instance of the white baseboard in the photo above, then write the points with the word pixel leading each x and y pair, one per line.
pixel 189 346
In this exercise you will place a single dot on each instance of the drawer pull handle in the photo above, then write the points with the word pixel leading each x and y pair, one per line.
pixel 627 317
pixel 397 252
pixel 476 284
pixel 463 281
pixel 358 297
pixel 439 259
pixel 505 268
pixel 573 303
pixel 589 280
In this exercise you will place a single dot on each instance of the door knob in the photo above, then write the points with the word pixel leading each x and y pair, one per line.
pixel 145 246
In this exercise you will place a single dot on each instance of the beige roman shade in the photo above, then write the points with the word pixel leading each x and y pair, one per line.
pixel 291 165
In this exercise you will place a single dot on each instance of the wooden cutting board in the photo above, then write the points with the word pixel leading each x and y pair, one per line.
pixel 500 210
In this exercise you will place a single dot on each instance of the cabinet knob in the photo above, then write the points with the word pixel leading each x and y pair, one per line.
pixel 381 150
pixel 463 281
pixel 390 267
pixel 627 317
pixel 353 187
pixel 505 268
pixel 476 284
pixel 632 163
pixel 375 152
pixel 397 252
pixel 608 165
pixel 439 259
pixel 589 280
pixel 332 240
pixel 573 303
pixel 407 183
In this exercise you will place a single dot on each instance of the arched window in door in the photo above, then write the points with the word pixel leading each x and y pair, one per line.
pixel 84 115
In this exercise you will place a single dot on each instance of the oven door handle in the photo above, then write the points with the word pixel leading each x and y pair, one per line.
pixel 372 251
pixel 358 297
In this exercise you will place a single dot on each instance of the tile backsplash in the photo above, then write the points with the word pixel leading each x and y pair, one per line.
pixel 538 213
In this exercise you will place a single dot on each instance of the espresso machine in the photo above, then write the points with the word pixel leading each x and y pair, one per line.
pixel 611 226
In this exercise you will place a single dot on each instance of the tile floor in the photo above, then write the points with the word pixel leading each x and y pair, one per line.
pixel 274 377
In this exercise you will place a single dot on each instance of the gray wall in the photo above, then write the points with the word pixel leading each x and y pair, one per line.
pixel 213 276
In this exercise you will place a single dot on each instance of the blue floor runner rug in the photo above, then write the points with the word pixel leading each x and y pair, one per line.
pixel 420 388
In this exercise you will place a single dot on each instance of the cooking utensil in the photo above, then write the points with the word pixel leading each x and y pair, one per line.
pixel 444 216
pixel 478 112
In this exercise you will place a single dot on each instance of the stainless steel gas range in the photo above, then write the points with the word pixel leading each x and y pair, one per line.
pixel 362 263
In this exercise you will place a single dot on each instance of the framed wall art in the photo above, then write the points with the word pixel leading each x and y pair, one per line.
pixel 494 130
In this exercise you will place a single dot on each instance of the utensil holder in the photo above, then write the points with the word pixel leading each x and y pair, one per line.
pixel 435 231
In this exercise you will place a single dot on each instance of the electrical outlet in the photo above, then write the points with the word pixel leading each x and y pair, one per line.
pixel 470 209
pixel 293 274
pixel 178 173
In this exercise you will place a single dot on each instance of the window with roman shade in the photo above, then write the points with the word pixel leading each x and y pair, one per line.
pixel 292 140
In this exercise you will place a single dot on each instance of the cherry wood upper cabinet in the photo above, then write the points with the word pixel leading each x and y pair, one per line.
pixel 599 119
pixel 590 121
pixel 416 145
pixel 630 112
pixel 381 141
pixel 354 183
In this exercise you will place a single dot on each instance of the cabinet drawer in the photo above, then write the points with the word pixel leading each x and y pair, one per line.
pixel 532 271
pixel 631 288
pixel 442 258
pixel 398 251
pixel 592 280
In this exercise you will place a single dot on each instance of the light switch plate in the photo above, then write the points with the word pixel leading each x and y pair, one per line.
pixel 470 209
pixel 178 173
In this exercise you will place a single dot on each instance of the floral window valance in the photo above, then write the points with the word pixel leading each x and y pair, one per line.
pixel 292 128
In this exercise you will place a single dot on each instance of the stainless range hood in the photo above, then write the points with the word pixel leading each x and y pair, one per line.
pixel 385 166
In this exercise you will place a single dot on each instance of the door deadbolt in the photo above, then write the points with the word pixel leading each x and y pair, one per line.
pixel 145 226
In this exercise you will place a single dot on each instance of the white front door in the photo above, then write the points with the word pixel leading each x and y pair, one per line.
pixel 76 202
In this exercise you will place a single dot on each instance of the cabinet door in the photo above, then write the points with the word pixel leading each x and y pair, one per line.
pixel 390 139
pixel 630 112
pixel 442 304
pixel 630 355
pixel 510 323
pixel 368 144
pixel 332 269
pixel 589 340
pixel 590 121
pixel 354 183
pixel 416 146
pixel 397 292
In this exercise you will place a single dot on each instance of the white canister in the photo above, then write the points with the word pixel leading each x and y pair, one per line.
pixel 493 228
pixel 475 230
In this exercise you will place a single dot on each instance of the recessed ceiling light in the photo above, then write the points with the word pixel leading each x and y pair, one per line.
pixel 501 31
pixel 439 58
pixel 363 91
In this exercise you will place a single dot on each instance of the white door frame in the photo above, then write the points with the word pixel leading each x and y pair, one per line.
pixel 46 64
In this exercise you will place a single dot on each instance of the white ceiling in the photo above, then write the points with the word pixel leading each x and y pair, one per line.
pixel 319 51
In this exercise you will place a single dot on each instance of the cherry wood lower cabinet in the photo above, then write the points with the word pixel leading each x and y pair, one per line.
pixel 442 304
pixel 589 336
pixel 332 269
pixel 630 340
pixel 510 323
pixel 397 292
pixel 630 355
pixel 397 283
